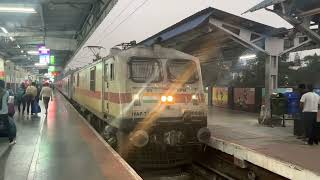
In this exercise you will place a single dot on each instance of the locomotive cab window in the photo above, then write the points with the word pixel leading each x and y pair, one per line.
pixel 145 70
pixel 78 80
pixel 106 72
pixel 184 71
pixel 112 72
pixel 93 79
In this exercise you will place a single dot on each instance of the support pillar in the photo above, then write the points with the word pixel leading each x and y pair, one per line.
pixel 271 84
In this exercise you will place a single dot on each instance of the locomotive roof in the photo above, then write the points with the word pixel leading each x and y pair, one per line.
pixel 155 51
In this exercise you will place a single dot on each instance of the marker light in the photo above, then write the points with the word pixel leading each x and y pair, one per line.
pixel 194 97
pixel 136 100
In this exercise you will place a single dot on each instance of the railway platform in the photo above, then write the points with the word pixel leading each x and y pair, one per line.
pixel 60 146
pixel 275 149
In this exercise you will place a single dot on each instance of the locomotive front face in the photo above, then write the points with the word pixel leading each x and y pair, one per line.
pixel 167 100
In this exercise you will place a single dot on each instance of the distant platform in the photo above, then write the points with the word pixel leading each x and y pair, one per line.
pixel 61 146
pixel 274 149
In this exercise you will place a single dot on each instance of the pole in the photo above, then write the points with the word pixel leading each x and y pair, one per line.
pixel 271 84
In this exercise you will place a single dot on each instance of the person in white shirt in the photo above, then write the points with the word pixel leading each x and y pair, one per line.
pixel 46 93
pixel 310 104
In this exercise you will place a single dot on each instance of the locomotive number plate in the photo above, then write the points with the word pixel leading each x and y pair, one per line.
pixel 139 114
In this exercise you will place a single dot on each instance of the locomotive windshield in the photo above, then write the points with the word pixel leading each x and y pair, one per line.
pixel 182 71
pixel 145 70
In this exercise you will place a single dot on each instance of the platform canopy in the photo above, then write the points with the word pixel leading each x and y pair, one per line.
pixel 198 36
pixel 216 37
pixel 60 25
pixel 303 15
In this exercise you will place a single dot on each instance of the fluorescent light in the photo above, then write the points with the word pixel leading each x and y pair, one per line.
pixel 17 9
pixel 18 46
pixel 248 57
pixel 33 52
pixel 4 30
pixel 40 64
pixel 11 38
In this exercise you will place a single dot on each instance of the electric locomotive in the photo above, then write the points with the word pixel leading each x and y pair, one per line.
pixel 147 102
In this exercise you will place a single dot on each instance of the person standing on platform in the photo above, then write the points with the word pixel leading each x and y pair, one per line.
pixel 36 100
pixel 4 96
pixel 310 103
pixel 31 93
pixel 46 94
pixel 301 125
pixel 21 97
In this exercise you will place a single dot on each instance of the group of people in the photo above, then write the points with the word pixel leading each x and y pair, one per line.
pixel 26 96
pixel 309 103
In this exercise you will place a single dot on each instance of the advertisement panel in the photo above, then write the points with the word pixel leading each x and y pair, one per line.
pixel 2 71
pixel 244 99
pixel 220 96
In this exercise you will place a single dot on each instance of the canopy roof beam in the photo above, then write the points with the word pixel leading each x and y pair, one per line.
pixel 269 45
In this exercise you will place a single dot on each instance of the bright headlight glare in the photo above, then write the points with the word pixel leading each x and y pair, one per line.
pixel 170 99
pixel 136 97
pixel 163 98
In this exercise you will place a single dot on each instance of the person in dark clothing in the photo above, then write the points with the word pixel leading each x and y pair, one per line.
pixel 4 96
pixel 21 98
pixel 310 104
pixel 301 133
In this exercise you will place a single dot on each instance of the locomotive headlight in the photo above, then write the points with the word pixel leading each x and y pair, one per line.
pixel 170 99
pixel 167 99
pixel 136 97
pixel 163 99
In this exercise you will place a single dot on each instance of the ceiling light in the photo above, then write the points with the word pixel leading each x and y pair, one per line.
pixel 18 46
pixel 33 52
pixel 40 64
pixel 248 57
pixel 22 51
pixel 17 9
pixel 4 30
pixel 11 38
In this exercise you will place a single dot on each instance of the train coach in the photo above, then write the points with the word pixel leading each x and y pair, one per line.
pixel 147 102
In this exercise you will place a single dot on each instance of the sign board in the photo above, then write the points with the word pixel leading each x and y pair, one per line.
pixel 44 59
pixel 44 55
pixel 2 72
pixel 43 50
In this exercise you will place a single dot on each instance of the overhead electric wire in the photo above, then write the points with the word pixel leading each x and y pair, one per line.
pixel 124 20
pixel 112 22
pixel 135 10
pixel 116 18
